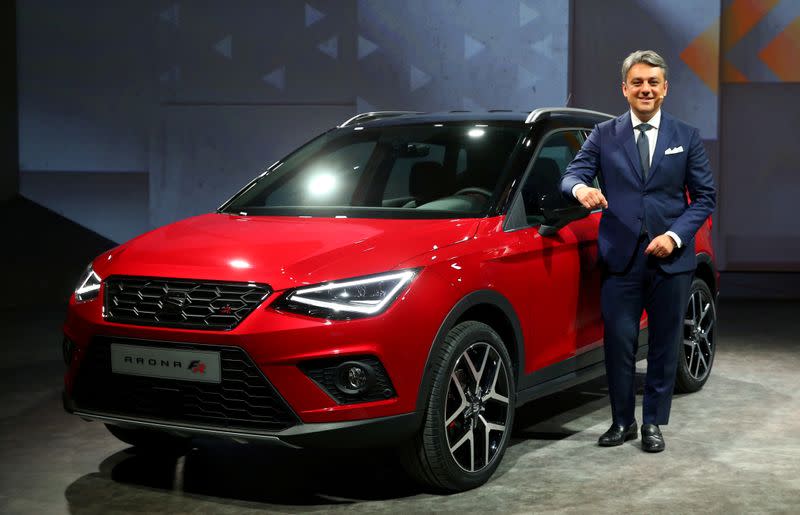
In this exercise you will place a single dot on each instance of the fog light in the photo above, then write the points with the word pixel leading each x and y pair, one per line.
pixel 350 379
pixel 354 377
pixel 67 348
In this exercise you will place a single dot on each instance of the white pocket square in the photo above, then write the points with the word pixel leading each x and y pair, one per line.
pixel 675 150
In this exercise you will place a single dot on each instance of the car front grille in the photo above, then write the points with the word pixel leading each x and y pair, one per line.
pixel 209 305
pixel 243 399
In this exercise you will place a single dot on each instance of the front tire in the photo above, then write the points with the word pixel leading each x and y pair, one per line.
pixel 470 411
pixel 698 345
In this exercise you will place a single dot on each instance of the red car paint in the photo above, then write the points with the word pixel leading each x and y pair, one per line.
pixel 551 282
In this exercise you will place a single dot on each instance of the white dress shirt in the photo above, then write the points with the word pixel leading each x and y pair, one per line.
pixel 652 133
pixel 652 138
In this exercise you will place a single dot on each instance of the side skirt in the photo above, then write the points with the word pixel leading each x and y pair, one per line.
pixel 571 372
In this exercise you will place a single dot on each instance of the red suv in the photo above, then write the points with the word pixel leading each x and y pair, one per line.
pixel 404 279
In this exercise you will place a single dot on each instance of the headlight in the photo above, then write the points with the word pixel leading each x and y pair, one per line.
pixel 349 298
pixel 89 286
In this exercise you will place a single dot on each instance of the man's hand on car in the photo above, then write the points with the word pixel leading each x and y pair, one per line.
pixel 591 198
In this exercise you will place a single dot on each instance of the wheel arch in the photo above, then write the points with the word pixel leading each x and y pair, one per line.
pixel 706 271
pixel 491 308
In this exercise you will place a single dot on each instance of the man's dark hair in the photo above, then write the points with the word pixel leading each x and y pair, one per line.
pixel 643 56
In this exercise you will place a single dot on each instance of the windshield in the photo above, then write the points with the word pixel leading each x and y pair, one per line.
pixel 430 171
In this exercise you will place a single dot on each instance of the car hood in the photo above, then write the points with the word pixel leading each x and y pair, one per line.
pixel 283 252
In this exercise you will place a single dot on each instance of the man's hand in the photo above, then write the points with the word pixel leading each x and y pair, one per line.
pixel 591 198
pixel 661 246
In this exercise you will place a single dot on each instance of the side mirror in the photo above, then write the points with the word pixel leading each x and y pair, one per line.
pixel 556 215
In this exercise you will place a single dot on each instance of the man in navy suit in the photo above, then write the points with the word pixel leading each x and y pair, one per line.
pixel 645 161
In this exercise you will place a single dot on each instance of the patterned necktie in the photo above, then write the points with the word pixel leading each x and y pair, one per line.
pixel 644 148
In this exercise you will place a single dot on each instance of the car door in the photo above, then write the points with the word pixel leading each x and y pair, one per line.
pixel 561 269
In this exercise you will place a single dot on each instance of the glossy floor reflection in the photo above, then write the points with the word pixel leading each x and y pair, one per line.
pixel 733 447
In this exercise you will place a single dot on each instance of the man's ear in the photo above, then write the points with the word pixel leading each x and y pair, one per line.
pixel 624 89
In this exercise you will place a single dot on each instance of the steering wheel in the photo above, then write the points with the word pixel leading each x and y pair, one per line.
pixel 479 191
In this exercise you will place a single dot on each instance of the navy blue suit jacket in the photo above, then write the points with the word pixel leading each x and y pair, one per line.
pixel 610 153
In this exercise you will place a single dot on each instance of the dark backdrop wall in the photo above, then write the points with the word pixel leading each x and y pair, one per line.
pixel 135 114
pixel 760 111
pixel 9 176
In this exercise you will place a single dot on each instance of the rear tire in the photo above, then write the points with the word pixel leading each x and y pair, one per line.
pixel 698 346
pixel 149 441
pixel 469 413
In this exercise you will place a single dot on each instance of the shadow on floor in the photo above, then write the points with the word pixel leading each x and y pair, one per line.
pixel 275 475
pixel 546 418
pixel 252 473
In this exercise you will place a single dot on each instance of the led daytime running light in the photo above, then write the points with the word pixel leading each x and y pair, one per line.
pixel 89 286
pixel 366 307
pixel 92 283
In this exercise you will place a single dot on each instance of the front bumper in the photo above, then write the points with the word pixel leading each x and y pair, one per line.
pixel 376 432
pixel 279 344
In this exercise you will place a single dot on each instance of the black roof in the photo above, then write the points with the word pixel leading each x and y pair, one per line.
pixel 392 118
pixel 447 116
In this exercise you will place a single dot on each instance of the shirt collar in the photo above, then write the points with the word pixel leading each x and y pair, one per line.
pixel 655 121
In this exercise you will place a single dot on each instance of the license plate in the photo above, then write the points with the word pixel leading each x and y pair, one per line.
pixel 181 364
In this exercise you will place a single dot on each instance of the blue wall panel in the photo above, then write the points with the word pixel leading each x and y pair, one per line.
pixel 201 96
pixel 454 54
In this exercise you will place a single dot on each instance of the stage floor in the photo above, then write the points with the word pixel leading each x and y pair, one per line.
pixel 731 448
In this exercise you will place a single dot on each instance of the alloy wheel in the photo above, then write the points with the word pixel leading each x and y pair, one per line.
pixel 698 334
pixel 477 407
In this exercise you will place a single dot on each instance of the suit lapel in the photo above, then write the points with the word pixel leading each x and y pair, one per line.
pixel 626 141
pixel 665 134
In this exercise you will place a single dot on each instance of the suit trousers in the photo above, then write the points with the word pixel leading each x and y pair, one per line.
pixel 643 285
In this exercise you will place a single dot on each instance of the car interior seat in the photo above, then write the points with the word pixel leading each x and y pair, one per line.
pixel 428 180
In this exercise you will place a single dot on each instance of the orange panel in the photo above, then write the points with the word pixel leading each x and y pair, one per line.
pixel 730 73
pixel 782 54
pixel 740 17
pixel 702 56
pixel 737 20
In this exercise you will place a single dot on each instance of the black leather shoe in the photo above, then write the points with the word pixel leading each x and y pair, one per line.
pixel 617 435
pixel 652 441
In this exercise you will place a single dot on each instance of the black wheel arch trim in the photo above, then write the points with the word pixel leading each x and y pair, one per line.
pixel 705 259
pixel 476 298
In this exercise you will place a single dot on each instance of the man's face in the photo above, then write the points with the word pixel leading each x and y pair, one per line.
pixel 645 89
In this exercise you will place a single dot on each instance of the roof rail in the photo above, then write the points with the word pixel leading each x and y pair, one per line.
pixel 374 115
pixel 545 112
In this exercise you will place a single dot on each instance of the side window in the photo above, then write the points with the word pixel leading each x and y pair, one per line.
pixel 542 187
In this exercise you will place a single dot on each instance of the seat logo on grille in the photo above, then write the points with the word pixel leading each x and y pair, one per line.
pixel 173 302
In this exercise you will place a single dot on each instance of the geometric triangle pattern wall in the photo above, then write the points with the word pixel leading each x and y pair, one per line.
pixel 414 54
pixel 751 41
pixel 450 54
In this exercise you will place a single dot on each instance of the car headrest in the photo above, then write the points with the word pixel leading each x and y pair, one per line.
pixel 547 171
pixel 429 180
